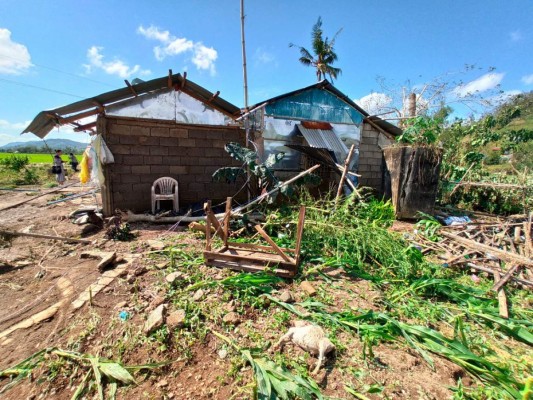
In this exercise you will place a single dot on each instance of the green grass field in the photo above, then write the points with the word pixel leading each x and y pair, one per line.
pixel 39 158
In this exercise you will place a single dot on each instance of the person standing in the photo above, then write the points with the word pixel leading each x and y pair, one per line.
pixel 58 162
pixel 73 162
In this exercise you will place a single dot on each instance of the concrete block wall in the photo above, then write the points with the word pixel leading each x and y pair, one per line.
pixel 146 150
pixel 371 162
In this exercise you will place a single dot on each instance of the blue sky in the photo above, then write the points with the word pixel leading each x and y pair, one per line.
pixel 77 49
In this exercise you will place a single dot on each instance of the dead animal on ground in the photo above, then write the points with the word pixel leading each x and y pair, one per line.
pixel 309 337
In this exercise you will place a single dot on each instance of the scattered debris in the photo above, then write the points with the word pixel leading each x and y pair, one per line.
pixel 232 318
pixel 155 320
pixel 176 319
pixel 173 277
pixel 286 297
pixel 107 258
pixel 308 288
pixel 198 295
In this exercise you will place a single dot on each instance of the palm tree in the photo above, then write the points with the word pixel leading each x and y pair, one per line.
pixel 324 54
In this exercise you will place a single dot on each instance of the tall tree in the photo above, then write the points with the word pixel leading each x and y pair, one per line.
pixel 323 54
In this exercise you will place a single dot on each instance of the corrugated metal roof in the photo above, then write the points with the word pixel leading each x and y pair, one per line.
pixel 321 155
pixel 45 121
pixel 325 85
pixel 325 139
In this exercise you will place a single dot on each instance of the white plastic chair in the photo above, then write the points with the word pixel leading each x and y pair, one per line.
pixel 168 190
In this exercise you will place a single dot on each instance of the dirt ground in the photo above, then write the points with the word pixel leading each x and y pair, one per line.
pixel 37 275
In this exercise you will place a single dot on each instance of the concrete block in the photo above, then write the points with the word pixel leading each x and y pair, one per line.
pixel 179 170
pixel 140 169
pixel 132 160
pixel 160 132
pixel 168 141
pixel 187 143
pixel 140 131
pixel 160 169
pixel 115 129
pixel 129 178
pixel 120 149
pixel 148 141
pixel 158 151
pixel 179 133
pixel 152 160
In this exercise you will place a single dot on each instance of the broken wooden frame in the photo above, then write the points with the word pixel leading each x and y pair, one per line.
pixel 251 257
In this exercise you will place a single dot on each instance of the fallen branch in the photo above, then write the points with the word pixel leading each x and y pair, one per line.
pixel 36 235
pixel 36 197
pixel 501 254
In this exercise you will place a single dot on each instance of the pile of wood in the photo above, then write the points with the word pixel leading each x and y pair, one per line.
pixel 501 247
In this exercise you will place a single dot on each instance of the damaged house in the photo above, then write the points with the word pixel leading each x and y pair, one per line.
pixel 320 123
pixel 172 127
pixel 165 127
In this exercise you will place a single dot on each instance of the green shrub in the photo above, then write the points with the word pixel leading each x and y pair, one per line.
pixel 15 162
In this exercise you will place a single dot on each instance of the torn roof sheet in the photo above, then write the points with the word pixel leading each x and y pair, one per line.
pixel 45 121
pixel 325 139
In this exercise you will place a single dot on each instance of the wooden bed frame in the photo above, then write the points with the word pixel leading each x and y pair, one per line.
pixel 251 257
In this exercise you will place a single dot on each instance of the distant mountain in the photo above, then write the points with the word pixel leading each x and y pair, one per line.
pixel 53 144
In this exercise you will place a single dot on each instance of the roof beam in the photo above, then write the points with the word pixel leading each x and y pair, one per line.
pixel 86 127
pixel 169 81
pixel 132 90
pixel 76 117
pixel 215 95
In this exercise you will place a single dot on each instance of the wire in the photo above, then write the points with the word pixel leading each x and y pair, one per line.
pixel 58 70
pixel 41 88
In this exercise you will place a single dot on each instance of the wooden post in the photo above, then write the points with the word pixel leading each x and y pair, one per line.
pixel 207 208
pixel 299 233
pixel 502 297
pixel 227 217
pixel 343 176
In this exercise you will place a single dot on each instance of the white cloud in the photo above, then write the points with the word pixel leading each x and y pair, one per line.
pixel 203 57
pixel 14 57
pixel 528 79
pixel 486 82
pixel 375 103
pixel 115 67
pixel 262 56
pixel 515 36
pixel 13 125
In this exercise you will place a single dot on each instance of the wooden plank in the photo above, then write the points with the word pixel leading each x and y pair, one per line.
pixel 248 258
pixel 501 254
pixel 256 247
pixel 36 235
pixel 227 217
pixel 299 234
pixel 169 80
pixel 343 176
pixel 274 245
pixel 502 281
pixel 251 268
pixel 218 228
pixel 86 127
pixel 207 227
pixel 131 88
pixel 502 298
pixel 75 117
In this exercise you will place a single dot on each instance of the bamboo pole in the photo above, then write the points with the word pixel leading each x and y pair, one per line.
pixel 343 176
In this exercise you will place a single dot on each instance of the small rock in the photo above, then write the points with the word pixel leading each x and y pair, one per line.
pixel 108 290
pixel 161 265
pixel 140 270
pixel 173 277
pixel 131 278
pixel 231 306
pixel 162 383
pixel 155 244
pixel 157 301
pixel 198 295
pixel 286 297
pixel 155 320
pixel 176 319
pixel 122 304
pixel 222 354
pixel 232 318
pixel 308 288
